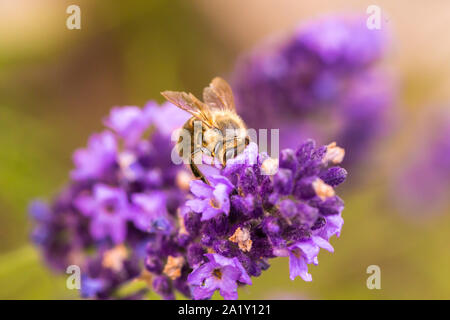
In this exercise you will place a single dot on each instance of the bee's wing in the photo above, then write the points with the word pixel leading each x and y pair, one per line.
pixel 219 95
pixel 189 103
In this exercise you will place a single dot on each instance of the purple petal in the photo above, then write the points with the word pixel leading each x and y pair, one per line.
pixel 324 244
pixel 153 202
pixel 198 205
pixel 90 287
pixel 197 276
pixel 201 189
pixel 210 213
pixel 96 158
pixel 230 272
pixel 118 231
pixel 167 117
pixel 309 250
pixel 228 285
pixel 97 229
pixel 218 179
pixel 244 278
pixel 298 267
pixel 129 122
pixel 103 192
pixel 212 283
pixel 40 211
pixel 201 293
pixel 122 118
pixel 249 156
pixel 104 225
pixel 229 295
pixel 85 203
pixel 234 262
pixel 334 225
pixel 221 195
pixel 219 259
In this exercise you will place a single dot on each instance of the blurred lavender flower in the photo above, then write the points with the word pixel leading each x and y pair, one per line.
pixel 91 287
pixel 321 82
pixel 93 162
pixel 124 189
pixel 423 184
pixel 108 210
pixel 230 229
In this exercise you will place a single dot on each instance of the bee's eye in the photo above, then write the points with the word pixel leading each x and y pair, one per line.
pixel 247 141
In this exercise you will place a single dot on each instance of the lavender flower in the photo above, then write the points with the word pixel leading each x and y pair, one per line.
pixel 151 211
pixel 322 82
pixel 91 163
pixel 219 273
pixel 423 183
pixel 130 217
pixel 211 200
pixel 91 287
pixel 228 231
pixel 109 212
pixel 124 191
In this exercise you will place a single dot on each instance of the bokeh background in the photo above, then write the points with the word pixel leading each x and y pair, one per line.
pixel 57 84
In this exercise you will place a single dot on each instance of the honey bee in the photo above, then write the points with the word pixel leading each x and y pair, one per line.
pixel 221 133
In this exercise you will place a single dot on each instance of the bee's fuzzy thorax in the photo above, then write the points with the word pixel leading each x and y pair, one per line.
pixel 224 120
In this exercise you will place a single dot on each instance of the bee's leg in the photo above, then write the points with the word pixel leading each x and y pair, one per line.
pixel 196 171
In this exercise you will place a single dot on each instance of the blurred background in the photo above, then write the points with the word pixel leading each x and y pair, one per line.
pixel 56 85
